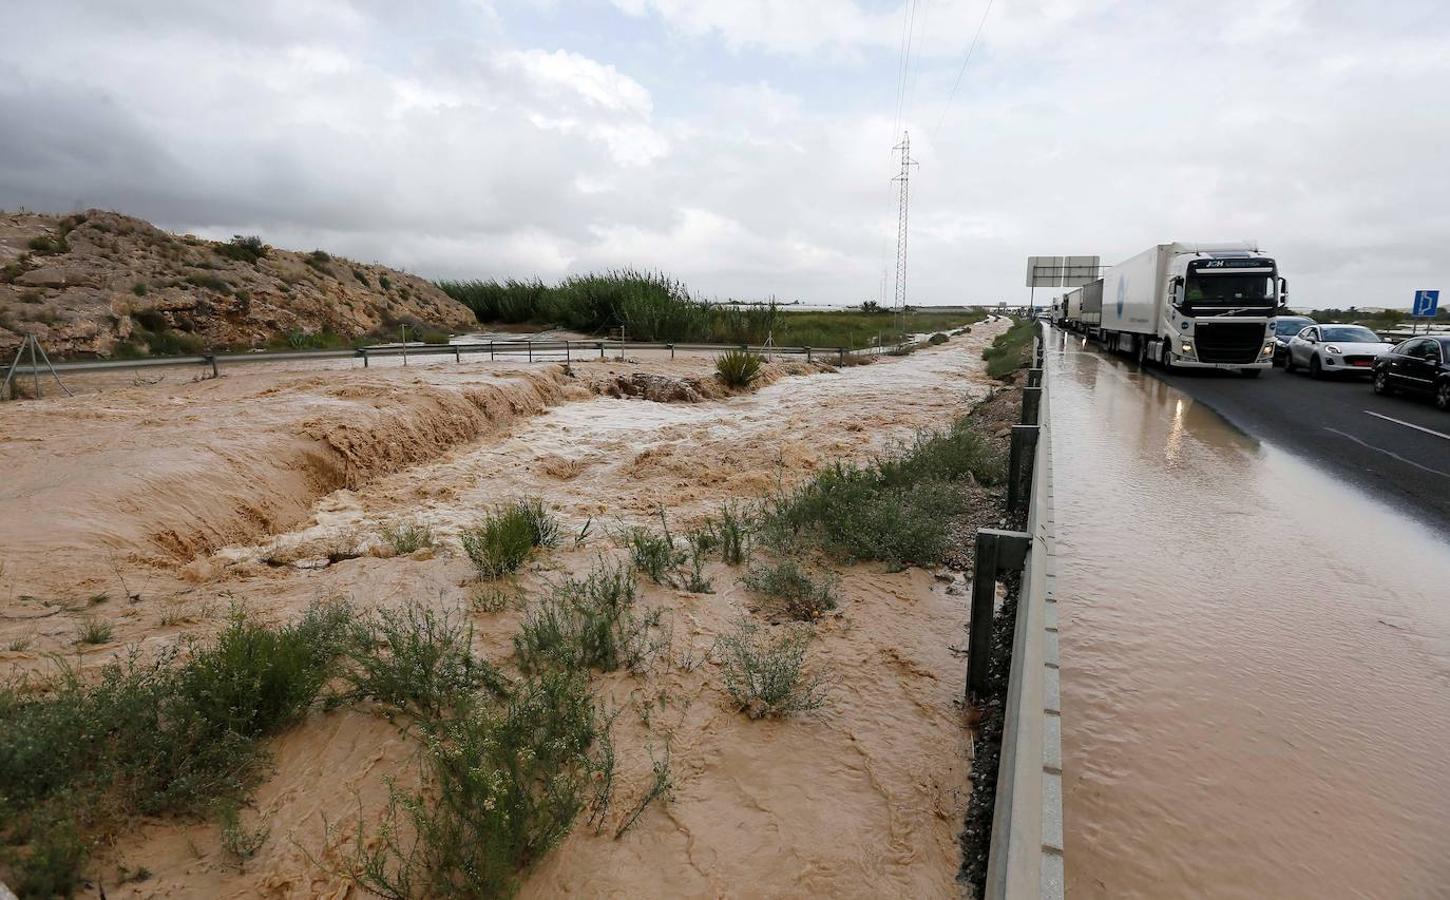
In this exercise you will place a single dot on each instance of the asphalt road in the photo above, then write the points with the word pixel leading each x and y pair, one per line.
pixel 1397 447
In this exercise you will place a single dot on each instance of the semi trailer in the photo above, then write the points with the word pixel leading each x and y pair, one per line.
pixel 1082 308
pixel 1207 306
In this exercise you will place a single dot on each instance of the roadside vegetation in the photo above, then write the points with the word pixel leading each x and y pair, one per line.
pixel 652 306
pixel 504 540
pixel 182 734
pixel 1011 350
pixel 738 368
pixel 897 509
pixel 765 671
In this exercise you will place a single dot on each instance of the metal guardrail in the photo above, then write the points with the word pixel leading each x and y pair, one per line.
pixel 542 350
pixel 1025 857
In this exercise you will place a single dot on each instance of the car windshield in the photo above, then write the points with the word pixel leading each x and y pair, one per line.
pixel 1356 334
pixel 1290 327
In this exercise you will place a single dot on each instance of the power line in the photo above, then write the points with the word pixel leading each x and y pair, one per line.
pixel 946 107
pixel 907 33
pixel 904 179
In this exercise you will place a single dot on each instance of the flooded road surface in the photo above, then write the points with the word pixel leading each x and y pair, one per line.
pixel 1256 659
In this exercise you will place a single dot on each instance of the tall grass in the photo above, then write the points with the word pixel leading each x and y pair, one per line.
pixel 503 541
pixel 652 306
pixel 587 623
pixel 899 509
pixel 178 734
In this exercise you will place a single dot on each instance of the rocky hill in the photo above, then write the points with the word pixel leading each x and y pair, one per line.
pixel 101 284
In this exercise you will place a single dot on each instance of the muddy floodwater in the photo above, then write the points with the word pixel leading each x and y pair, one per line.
pixel 1256 659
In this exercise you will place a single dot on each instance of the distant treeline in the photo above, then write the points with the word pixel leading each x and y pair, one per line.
pixel 652 306
pixel 1379 318
pixel 649 306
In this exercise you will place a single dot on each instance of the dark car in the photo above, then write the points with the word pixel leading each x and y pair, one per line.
pixel 1419 365
pixel 1285 327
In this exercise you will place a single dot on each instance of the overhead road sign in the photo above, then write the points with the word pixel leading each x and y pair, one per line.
pixel 1062 271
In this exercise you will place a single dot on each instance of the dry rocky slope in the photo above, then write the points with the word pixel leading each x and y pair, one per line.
pixel 100 284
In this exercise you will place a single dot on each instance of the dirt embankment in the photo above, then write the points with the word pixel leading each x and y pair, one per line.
pixel 99 283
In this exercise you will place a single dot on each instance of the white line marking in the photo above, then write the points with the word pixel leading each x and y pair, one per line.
pixel 1408 462
pixel 1411 425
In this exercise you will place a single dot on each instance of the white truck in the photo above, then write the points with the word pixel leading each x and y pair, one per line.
pixel 1207 306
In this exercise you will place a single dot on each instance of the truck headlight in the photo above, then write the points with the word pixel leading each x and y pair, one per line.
pixel 1187 347
pixel 1268 350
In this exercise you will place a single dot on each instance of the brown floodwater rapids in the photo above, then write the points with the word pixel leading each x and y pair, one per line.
pixel 1255 659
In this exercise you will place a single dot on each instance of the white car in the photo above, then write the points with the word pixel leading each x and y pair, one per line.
pixel 1335 349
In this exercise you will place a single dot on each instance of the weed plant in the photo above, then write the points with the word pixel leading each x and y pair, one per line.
pixel 502 543
pixel 765 674
pixel 409 537
pixel 587 623
pixel 800 595
pixel 738 368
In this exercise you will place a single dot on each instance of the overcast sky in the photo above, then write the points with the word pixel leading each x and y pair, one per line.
pixel 745 145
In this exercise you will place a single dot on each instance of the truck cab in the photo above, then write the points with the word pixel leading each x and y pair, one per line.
pixel 1220 311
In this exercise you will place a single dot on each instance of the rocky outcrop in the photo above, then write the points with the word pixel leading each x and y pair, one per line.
pixel 102 284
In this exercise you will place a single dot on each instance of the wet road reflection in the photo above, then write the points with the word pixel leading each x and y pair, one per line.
pixel 1256 659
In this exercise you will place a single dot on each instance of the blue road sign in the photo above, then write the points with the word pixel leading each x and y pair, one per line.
pixel 1425 304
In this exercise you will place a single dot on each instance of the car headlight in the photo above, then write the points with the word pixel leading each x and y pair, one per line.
pixel 1331 349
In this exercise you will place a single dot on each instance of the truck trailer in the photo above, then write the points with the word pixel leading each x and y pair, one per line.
pixel 1092 307
pixel 1072 309
pixel 1206 306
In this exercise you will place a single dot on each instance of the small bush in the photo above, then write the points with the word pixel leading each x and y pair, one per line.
pixel 45 245
pixel 416 660
pixel 247 249
pixel 409 537
pixel 653 554
pixel 94 631
pixel 210 282
pixel 505 784
pixel 738 368
pixel 585 624
pixel 542 522
pixel 32 297
pixel 765 675
pixel 733 534
pixel 938 338
pixel 238 841
pixel 501 544
pixel 140 289
pixel 800 596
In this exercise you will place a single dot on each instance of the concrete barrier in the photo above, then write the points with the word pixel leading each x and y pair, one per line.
pixel 1025 859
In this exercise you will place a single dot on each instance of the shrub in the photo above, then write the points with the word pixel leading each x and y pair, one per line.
pixel 169 342
pixel 210 282
pixel 247 249
pixel 733 534
pixel 765 675
pixel 174 735
pixel 938 338
pixel 45 245
pixel 94 631
pixel 318 260
pixel 139 289
pixel 409 537
pixel 801 596
pixel 654 554
pixel 416 660
pixel 896 510
pixel 503 541
pixel 585 624
pixel 32 297
pixel 542 523
pixel 738 368
pixel 505 784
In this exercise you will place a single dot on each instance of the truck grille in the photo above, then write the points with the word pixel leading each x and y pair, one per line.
pixel 1236 343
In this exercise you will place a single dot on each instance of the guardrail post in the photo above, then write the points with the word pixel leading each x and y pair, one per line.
pixel 567 357
pixel 1034 376
pixel 457 354
pixel 211 361
pixel 601 349
pixel 531 350
pixel 1019 464
pixel 364 352
pixel 490 351
pixel 997 550
pixel 843 355
pixel 808 354
pixel 1031 404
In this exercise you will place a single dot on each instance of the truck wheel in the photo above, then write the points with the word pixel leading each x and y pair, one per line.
pixel 1316 368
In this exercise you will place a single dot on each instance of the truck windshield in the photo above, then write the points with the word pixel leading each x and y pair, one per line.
pixel 1230 290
